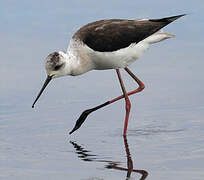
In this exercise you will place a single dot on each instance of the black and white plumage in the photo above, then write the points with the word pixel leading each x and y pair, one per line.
pixel 114 34
pixel 106 44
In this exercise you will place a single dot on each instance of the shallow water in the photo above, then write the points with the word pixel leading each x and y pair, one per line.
pixel 162 142
pixel 166 128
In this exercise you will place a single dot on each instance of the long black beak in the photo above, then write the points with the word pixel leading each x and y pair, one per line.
pixel 49 78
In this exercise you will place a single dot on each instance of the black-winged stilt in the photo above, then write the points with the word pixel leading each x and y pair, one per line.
pixel 107 44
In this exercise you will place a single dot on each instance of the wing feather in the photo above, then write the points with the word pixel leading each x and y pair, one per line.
pixel 114 34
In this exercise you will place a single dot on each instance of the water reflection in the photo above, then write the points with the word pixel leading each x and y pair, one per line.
pixel 86 155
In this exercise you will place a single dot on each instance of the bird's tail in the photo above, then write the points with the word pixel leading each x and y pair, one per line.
pixel 158 36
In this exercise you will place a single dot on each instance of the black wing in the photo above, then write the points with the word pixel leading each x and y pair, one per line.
pixel 114 34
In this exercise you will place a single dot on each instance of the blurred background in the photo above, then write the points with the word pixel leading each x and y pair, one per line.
pixel 165 133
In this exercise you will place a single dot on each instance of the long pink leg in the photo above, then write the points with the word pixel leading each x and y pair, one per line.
pixel 84 115
pixel 127 102
pixel 140 88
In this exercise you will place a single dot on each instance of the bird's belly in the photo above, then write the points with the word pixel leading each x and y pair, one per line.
pixel 120 58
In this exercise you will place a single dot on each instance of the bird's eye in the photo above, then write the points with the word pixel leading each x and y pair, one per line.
pixel 58 67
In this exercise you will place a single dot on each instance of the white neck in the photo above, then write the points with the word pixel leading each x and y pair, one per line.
pixel 78 61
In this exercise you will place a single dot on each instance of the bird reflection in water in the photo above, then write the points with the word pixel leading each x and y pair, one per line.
pixel 86 155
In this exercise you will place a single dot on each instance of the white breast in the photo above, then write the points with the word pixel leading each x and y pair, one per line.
pixel 88 59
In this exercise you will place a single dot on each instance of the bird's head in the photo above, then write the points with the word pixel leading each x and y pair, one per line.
pixel 55 65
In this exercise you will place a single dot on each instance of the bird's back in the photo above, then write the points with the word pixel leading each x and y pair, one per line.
pixel 114 34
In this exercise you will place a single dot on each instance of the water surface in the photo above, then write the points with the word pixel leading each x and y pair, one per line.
pixel 166 127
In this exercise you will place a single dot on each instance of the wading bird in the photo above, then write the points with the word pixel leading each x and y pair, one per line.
pixel 107 44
